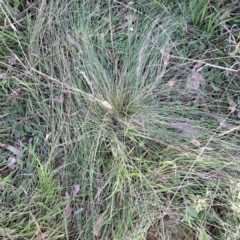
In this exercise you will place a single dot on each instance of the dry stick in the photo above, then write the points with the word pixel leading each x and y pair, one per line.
pixel 103 102
pixel 220 119
pixel 229 131
pixel 203 61
pixel 60 83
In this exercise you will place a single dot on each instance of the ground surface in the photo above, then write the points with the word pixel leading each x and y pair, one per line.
pixel 119 120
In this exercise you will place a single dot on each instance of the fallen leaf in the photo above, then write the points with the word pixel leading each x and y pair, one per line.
pixel 66 91
pixel 232 104
pixel 12 59
pixel 12 163
pixel 97 228
pixel 130 17
pixel 197 65
pixel 58 99
pixel 36 55
pixel 180 126
pixel 195 142
pixel 222 121
pixel 106 105
pixel 201 79
pixel 201 102
pixel 12 26
pixel 186 147
pixel 72 41
pixel 31 5
pixel 14 150
pixel 97 196
pixel 123 25
pixel 2 75
pixel 7 230
pixel 42 236
pixel 76 190
pixel 171 83
pixel 165 56
pixel 68 210
pixel 206 109
pixel 192 84
pixel 227 126
pixel 194 80
pixel 47 137
pixel 205 148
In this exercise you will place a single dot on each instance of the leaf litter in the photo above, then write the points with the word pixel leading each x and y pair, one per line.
pixel 67 210
pixel 42 236
pixel 106 105
pixel 222 121
pixel 76 190
pixel 196 142
pixel 72 41
pixel 10 232
pixel 232 104
pixel 180 126
pixel 12 163
pixel 97 226
pixel 195 79
pixel 12 149
pixel 7 230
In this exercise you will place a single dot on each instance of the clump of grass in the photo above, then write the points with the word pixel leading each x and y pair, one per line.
pixel 121 148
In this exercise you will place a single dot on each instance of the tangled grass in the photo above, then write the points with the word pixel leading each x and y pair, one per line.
pixel 132 115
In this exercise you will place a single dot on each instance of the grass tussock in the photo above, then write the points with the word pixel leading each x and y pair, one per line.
pixel 126 116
